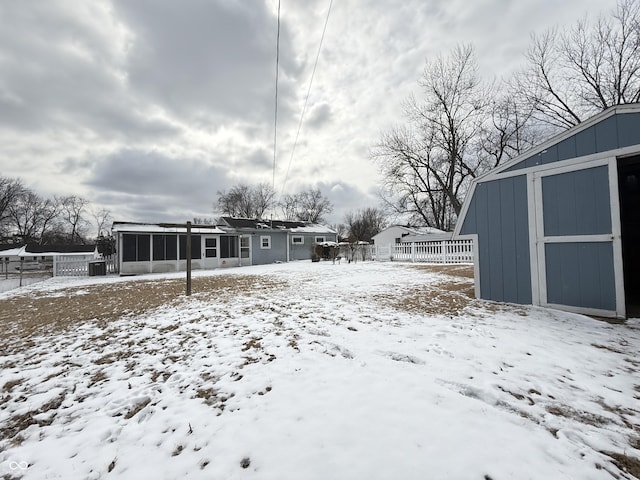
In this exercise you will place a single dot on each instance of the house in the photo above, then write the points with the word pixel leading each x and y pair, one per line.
pixel 43 257
pixel 558 226
pixel 9 256
pixel 160 248
pixel 399 234
pixel 278 240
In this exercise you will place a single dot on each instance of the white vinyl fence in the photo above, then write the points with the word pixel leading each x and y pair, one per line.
pixel 71 266
pixel 78 266
pixel 450 251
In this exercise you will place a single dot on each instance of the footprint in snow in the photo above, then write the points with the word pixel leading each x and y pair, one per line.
pixel 403 357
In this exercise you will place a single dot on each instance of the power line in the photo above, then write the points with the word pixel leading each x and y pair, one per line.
pixel 275 120
pixel 304 108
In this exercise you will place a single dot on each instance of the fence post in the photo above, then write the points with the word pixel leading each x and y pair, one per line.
pixel 413 252
pixel 443 246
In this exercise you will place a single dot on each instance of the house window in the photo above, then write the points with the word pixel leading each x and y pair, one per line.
pixel 320 239
pixel 196 253
pixel 228 246
pixel 136 248
pixel 265 241
pixel 398 240
pixel 210 247
pixel 244 247
pixel 165 247
pixel 298 240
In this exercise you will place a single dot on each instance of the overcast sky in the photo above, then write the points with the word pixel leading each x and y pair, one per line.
pixel 150 107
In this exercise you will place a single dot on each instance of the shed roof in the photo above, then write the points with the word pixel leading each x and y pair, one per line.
pixel 613 128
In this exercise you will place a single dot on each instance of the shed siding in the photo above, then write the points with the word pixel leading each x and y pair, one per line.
pixel 616 131
pixel 498 215
pixel 577 203
pixel 567 148
pixel 606 133
pixel 587 266
pixel 628 128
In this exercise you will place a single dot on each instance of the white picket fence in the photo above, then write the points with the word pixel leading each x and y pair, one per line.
pixel 74 266
pixel 71 266
pixel 450 251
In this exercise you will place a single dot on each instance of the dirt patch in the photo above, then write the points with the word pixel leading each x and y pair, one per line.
pixel 450 296
pixel 630 465
pixel 17 423
pixel 464 270
pixel 137 408
pixel 24 317
pixel 587 418
pixel 8 386
pixel 445 298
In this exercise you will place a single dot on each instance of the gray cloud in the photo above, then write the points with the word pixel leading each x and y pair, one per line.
pixel 64 72
pixel 207 59
pixel 319 115
pixel 152 184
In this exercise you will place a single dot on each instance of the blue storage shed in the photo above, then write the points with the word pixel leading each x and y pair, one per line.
pixel 559 225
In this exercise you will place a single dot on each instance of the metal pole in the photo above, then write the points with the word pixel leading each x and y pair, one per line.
pixel 188 258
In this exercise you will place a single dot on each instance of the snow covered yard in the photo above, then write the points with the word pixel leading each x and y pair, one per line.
pixel 310 371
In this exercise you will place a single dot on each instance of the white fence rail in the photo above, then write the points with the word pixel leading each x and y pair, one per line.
pixel 70 266
pixel 452 251
pixel 74 266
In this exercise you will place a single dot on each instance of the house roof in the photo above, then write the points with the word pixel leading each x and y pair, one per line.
pixel 163 228
pixel 34 250
pixel 10 246
pixel 11 250
pixel 43 249
pixel 412 230
pixel 431 237
pixel 292 226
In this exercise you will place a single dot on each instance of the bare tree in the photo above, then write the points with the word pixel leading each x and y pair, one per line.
pixel 243 201
pixel 33 216
pixel 288 206
pixel 72 212
pixel 313 206
pixel 10 191
pixel 573 74
pixel 307 206
pixel 364 224
pixel 203 221
pixel 263 197
pixel 102 218
pixel 508 132
pixel 342 231
pixel 428 164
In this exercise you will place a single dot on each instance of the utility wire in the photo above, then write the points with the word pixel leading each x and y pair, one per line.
pixel 275 120
pixel 307 98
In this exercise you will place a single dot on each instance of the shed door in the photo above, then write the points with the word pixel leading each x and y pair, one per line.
pixel 578 238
